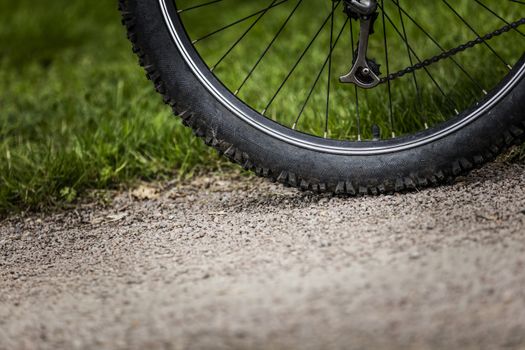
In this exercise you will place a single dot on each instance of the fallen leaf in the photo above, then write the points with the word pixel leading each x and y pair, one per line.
pixel 145 192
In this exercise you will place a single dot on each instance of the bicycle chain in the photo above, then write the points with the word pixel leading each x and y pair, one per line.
pixel 452 52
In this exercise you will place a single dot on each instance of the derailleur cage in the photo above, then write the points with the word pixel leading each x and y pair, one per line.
pixel 364 72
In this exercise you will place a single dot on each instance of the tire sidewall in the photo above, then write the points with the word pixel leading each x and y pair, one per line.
pixel 443 158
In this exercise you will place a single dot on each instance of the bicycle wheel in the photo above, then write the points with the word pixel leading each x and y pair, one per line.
pixel 357 97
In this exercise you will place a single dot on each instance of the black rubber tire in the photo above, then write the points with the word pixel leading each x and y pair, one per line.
pixel 431 164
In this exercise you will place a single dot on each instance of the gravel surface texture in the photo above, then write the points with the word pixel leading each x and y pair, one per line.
pixel 241 263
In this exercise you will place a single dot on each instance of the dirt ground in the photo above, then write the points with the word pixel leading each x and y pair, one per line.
pixel 245 264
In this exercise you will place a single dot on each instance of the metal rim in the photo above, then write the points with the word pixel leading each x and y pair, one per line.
pixel 296 138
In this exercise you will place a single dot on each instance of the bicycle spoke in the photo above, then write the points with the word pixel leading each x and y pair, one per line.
pixel 329 69
pixel 199 6
pixel 268 47
pixel 478 85
pixel 234 23
pixel 385 41
pixel 498 16
pixel 476 33
pixel 414 77
pixel 299 59
pixel 312 88
pixel 358 116
pixel 243 35
pixel 434 81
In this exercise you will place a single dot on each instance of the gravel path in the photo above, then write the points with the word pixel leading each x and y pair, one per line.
pixel 246 264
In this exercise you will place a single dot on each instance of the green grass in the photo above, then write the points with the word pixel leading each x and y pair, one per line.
pixel 76 112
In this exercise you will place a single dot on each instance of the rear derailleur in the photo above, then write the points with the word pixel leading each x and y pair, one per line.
pixel 364 72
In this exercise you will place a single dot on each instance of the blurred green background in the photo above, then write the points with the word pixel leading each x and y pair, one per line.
pixel 77 113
